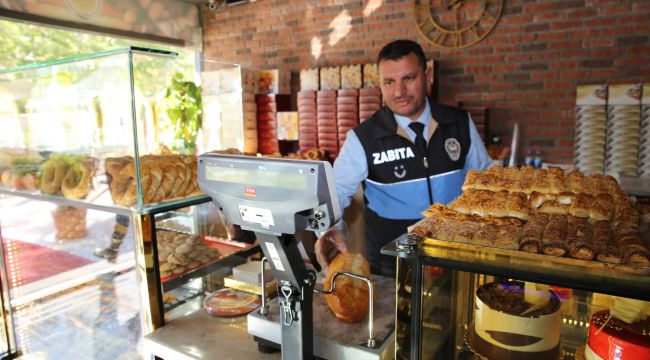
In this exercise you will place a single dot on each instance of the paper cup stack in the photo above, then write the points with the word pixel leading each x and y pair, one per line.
pixel 623 125
pixel 591 128
pixel 644 146
pixel 250 123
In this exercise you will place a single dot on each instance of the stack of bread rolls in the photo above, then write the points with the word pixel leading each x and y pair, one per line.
pixel 178 252
pixel 587 217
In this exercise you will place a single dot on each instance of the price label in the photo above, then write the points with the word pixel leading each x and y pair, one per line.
pixel 256 215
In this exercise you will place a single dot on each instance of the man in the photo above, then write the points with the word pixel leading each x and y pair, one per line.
pixel 409 154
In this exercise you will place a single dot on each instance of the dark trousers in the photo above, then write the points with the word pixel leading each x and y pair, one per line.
pixel 380 231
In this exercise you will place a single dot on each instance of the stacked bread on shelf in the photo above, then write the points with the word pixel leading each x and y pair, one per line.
pixel 178 252
pixel 163 177
pixel 543 211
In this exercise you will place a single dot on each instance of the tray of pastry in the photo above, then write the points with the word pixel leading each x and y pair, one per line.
pixel 181 253
pixel 577 219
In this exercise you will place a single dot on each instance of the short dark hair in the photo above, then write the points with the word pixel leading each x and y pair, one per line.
pixel 399 48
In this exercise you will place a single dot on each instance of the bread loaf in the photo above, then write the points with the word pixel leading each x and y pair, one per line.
pixel 349 301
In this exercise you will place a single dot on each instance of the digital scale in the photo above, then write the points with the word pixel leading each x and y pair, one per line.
pixel 276 198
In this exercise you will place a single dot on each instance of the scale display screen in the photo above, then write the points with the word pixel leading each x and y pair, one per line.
pixel 258 177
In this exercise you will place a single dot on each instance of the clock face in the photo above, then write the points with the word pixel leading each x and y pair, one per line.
pixel 456 24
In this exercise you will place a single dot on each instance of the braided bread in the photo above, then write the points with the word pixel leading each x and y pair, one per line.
pixel 162 177
pixel 151 177
pixel 122 187
pixel 114 165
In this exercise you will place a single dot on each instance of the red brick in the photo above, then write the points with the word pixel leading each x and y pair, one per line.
pixel 489 78
pixel 537 7
pixel 569 44
pixel 567 64
pixel 551 36
pixel 641 7
pixel 548 16
pixel 598 42
pixel 502 86
pixel 600 21
pixel 564 25
pixel 491 96
pixel 630 62
pixel 581 13
pixel 543 75
pixel 614 10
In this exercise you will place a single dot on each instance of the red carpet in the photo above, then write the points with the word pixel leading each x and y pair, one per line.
pixel 28 262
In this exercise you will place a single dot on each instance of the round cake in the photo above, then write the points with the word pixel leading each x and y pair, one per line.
pixel 617 339
pixel 500 330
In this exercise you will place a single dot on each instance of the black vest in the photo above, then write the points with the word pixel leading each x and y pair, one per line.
pixel 378 135
pixel 390 155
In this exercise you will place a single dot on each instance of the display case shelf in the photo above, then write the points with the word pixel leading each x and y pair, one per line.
pixel 228 261
pixel 60 200
pixel 100 200
pixel 613 279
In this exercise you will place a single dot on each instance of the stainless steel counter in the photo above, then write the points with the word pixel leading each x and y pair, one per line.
pixel 193 334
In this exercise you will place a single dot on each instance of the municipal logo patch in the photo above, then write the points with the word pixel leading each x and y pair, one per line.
pixel 452 146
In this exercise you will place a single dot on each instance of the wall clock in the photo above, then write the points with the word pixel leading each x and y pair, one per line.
pixel 456 24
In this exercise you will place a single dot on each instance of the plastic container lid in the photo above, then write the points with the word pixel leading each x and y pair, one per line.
pixel 230 302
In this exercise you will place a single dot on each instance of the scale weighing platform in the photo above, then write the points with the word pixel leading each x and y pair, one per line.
pixel 276 198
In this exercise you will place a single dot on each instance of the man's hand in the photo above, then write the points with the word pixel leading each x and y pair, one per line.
pixel 333 239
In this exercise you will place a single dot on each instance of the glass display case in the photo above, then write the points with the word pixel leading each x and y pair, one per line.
pixel 446 290
pixel 98 192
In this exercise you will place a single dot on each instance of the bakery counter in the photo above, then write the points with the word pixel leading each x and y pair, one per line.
pixel 193 334
pixel 457 300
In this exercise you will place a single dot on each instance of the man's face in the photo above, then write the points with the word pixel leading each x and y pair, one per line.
pixel 403 85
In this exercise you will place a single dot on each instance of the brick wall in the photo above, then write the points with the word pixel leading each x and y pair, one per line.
pixel 526 70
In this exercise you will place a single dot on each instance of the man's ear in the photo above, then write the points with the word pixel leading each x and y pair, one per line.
pixel 428 76
pixel 428 81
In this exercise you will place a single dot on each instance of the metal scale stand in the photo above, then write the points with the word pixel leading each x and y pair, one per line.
pixel 276 198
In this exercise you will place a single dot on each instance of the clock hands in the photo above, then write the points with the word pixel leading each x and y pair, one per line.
pixel 455 4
